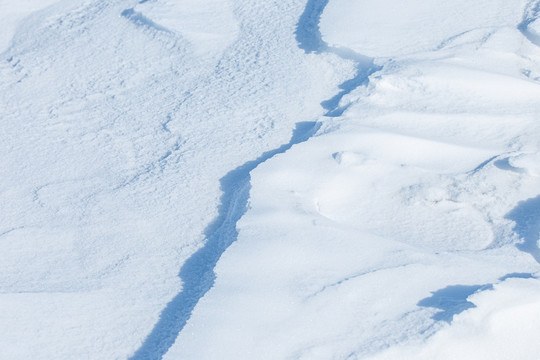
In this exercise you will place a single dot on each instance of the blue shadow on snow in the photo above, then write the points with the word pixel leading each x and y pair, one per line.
pixel 308 34
pixel 197 273
pixel 140 20
pixel 526 215
pixel 363 70
pixel 517 276
pixel 309 38
pixel 452 300
pixel 528 18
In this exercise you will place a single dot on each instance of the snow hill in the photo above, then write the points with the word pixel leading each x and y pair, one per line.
pixel 303 179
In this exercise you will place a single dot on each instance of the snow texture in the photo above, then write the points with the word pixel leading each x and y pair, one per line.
pixel 305 179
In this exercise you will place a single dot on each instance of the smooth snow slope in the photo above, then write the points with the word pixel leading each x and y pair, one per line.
pixel 118 121
pixel 409 227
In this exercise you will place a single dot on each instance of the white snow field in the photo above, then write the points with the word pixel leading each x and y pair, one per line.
pixel 249 179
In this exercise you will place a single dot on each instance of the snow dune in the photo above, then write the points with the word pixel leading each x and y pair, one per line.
pixel 269 180
pixel 390 28
pixel 400 229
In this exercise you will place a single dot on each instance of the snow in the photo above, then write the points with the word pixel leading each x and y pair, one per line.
pixel 389 28
pixel 269 180
pixel 115 135
pixel 12 13
pixel 409 194
pixel 503 327
pixel 209 26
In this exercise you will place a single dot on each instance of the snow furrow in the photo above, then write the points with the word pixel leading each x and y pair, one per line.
pixel 310 40
pixel 418 172
pixel 197 273
pixel 239 179
pixel 114 142
pixel 140 20
pixel 530 26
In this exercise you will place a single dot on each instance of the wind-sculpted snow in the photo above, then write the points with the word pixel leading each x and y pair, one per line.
pixel 116 134
pixel 307 179
pixel 310 40
pixel 12 16
pixel 500 327
pixel 530 26
pixel 389 26
pixel 393 232
pixel 526 216
pixel 452 300
pixel 197 273
pixel 140 20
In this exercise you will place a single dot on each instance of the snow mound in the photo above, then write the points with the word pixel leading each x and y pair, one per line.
pixel 389 28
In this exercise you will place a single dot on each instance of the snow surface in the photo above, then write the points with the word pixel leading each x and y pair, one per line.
pixel 320 179
pixel 13 13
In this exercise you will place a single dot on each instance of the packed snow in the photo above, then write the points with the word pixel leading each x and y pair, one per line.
pixel 304 179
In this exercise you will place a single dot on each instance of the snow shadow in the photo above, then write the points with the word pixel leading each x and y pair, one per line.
pixel 363 70
pixel 308 34
pixel 482 165
pixel 452 300
pixel 517 276
pixel 526 216
pixel 309 38
pixel 504 164
pixel 197 273
pixel 531 14
pixel 140 20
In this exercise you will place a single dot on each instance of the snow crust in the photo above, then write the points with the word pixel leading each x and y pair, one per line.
pixel 269 180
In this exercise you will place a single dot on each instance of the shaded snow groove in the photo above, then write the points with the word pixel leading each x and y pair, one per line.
pixel 140 20
pixel 310 40
pixel 197 273
pixel 526 216
pixel 532 12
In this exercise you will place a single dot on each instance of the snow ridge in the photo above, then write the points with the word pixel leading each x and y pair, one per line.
pixel 197 273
